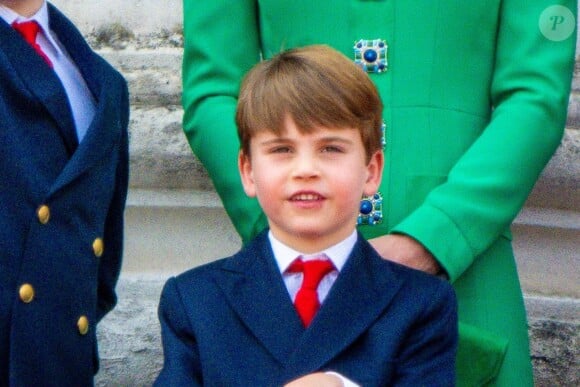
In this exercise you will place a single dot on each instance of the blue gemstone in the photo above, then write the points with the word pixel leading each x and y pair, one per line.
pixel 381 44
pixel 370 55
pixel 366 206
pixel 377 196
pixel 377 217
pixel 359 45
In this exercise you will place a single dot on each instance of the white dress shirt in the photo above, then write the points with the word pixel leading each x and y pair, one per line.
pixel 337 254
pixel 79 96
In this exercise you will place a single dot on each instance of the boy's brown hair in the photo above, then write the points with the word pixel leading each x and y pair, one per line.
pixel 316 86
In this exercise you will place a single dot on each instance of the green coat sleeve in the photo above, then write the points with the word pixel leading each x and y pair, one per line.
pixel 221 45
pixel 488 185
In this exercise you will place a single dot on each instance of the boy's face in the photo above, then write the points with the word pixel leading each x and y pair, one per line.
pixel 310 185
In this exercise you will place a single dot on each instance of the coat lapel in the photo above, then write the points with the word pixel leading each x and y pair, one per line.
pixel 105 129
pixel 362 292
pixel 40 80
pixel 255 291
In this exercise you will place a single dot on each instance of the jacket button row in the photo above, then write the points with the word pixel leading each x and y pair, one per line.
pixel 26 294
pixel 43 214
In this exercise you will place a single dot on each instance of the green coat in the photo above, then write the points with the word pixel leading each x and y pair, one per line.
pixel 475 105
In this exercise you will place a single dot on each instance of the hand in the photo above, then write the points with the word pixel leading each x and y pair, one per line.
pixel 406 251
pixel 318 379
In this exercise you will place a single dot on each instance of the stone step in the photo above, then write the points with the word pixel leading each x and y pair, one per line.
pixel 170 231
pixel 138 16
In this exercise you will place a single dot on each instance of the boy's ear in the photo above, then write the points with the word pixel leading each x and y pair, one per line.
pixel 246 173
pixel 374 173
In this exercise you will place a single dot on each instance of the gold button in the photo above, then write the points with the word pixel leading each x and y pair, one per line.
pixel 26 293
pixel 83 325
pixel 43 213
pixel 98 247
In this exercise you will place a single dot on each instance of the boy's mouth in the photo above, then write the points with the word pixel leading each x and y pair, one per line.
pixel 306 197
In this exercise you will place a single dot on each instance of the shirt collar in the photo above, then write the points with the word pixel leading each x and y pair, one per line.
pixel 41 17
pixel 338 254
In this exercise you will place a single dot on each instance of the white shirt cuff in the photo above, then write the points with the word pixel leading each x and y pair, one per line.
pixel 346 382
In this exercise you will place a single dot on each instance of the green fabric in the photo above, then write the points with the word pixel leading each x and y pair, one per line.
pixel 475 105
pixel 480 356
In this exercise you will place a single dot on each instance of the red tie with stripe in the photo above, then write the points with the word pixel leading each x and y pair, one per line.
pixel 306 302
pixel 29 30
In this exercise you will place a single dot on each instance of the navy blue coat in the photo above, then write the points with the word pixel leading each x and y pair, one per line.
pixel 61 211
pixel 232 323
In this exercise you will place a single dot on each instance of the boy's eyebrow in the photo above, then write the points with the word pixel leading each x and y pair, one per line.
pixel 334 139
pixel 273 141
pixel 278 140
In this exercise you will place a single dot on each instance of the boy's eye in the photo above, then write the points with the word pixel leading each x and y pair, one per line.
pixel 280 149
pixel 332 149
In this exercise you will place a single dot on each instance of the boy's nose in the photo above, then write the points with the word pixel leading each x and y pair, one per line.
pixel 306 167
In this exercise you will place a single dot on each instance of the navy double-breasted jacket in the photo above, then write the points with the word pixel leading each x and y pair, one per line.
pixel 61 211
pixel 232 323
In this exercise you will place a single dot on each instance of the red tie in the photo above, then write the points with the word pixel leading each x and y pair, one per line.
pixel 29 30
pixel 306 301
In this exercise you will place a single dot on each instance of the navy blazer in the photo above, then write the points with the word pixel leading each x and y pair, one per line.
pixel 232 323
pixel 61 222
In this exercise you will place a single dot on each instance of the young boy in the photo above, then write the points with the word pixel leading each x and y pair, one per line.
pixel 309 123
pixel 64 170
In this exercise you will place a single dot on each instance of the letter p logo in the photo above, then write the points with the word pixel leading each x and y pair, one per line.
pixel 557 23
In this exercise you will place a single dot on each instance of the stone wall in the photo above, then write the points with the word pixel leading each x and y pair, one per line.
pixel 175 220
